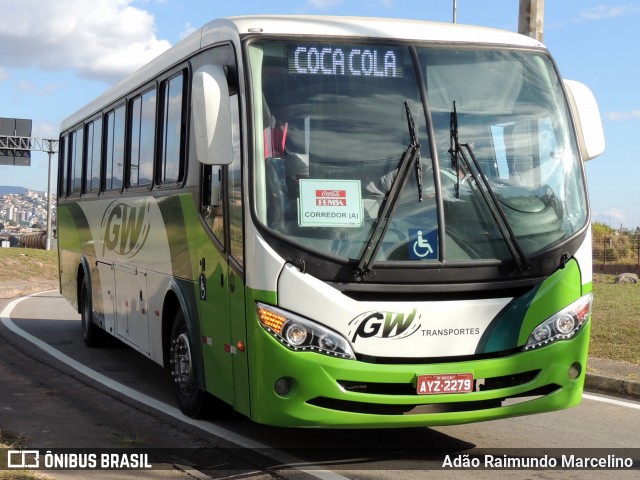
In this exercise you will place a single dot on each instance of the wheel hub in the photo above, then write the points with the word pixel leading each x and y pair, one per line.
pixel 181 364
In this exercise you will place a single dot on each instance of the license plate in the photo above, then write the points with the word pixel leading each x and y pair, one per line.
pixel 445 383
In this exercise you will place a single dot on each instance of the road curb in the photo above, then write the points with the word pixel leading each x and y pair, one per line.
pixel 611 385
pixel 12 290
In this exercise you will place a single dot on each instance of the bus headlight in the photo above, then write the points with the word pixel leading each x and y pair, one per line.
pixel 296 334
pixel 299 333
pixel 561 326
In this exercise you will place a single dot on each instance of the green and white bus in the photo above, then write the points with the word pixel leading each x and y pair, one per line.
pixel 329 221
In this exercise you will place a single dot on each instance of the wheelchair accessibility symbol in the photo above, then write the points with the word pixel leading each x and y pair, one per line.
pixel 424 243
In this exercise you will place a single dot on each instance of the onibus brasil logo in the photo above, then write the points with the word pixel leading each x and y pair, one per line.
pixel 383 325
pixel 125 227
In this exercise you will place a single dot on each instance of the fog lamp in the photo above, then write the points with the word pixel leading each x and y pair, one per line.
pixel 574 371
pixel 282 386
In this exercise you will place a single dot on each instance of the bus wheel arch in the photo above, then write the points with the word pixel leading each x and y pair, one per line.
pixel 81 276
pixel 190 396
pixel 181 357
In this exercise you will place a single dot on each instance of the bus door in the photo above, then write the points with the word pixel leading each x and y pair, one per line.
pixel 222 292
pixel 222 313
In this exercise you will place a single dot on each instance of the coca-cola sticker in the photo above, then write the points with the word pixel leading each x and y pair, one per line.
pixel 331 198
pixel 330 203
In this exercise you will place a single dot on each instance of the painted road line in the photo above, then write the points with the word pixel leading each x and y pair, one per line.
pixel 612 401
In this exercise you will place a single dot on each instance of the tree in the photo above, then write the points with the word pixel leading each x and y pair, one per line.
pixel 614 246
pixel 600 231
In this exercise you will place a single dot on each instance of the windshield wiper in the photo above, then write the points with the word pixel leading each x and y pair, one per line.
pixel 454 146
pixel 411 156
pixel 480 179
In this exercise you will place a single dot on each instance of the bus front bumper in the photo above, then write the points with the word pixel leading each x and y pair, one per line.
pixel 305 389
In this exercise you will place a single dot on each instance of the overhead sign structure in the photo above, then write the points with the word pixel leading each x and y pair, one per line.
pixel 15 144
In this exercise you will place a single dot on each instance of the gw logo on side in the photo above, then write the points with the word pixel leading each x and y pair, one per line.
pixel 125 228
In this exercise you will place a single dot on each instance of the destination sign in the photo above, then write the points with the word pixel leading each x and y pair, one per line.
pixel 346 60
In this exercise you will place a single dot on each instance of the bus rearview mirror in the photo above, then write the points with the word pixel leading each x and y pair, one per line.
pixel 586 116
pixel 212 116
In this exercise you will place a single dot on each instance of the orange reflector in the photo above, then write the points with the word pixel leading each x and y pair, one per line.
pixel 272 320
pixel 583 312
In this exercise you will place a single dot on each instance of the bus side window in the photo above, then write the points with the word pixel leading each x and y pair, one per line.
pixel 170 168
pixel 215 178
pixel 234 187
pixel 93 155
pixel 142 138
pixel 214 202
pixel 212 208
pixel 221 190
pixel 63 163
pixel 75 159
pixel 114 158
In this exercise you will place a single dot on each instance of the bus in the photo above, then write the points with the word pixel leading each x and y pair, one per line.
pixel 336 221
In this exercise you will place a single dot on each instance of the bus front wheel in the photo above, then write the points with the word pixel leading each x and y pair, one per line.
pixel 190 398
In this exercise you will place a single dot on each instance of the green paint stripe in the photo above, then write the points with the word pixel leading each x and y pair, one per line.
pixel 513 325
pixel 173 215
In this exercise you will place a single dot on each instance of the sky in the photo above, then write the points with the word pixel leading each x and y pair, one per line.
pixel 57 55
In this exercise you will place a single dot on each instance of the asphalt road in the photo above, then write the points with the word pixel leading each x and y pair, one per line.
pixel 121 399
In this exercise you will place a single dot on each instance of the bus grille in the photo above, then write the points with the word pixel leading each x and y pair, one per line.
pixel 418 409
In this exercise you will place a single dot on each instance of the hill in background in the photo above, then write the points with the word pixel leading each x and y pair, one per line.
pixel 5 190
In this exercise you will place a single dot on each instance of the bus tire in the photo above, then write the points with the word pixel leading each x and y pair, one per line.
pixel 92 335
pixel 190 397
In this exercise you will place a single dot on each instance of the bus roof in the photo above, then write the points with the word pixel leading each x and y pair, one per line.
pixel 372 27
pixel 307 25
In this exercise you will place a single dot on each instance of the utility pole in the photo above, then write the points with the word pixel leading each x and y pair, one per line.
pixel 531 18
pixel 455 11
pixel 15 143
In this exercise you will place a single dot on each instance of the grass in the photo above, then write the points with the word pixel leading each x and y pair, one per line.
pixel 131 442
pixel 9 441
pixel 28 264
pixel 615 320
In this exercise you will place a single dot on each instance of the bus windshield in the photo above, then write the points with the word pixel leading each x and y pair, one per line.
pixel 333 125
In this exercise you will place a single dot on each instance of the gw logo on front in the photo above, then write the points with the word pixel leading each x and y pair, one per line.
pixel 383 325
